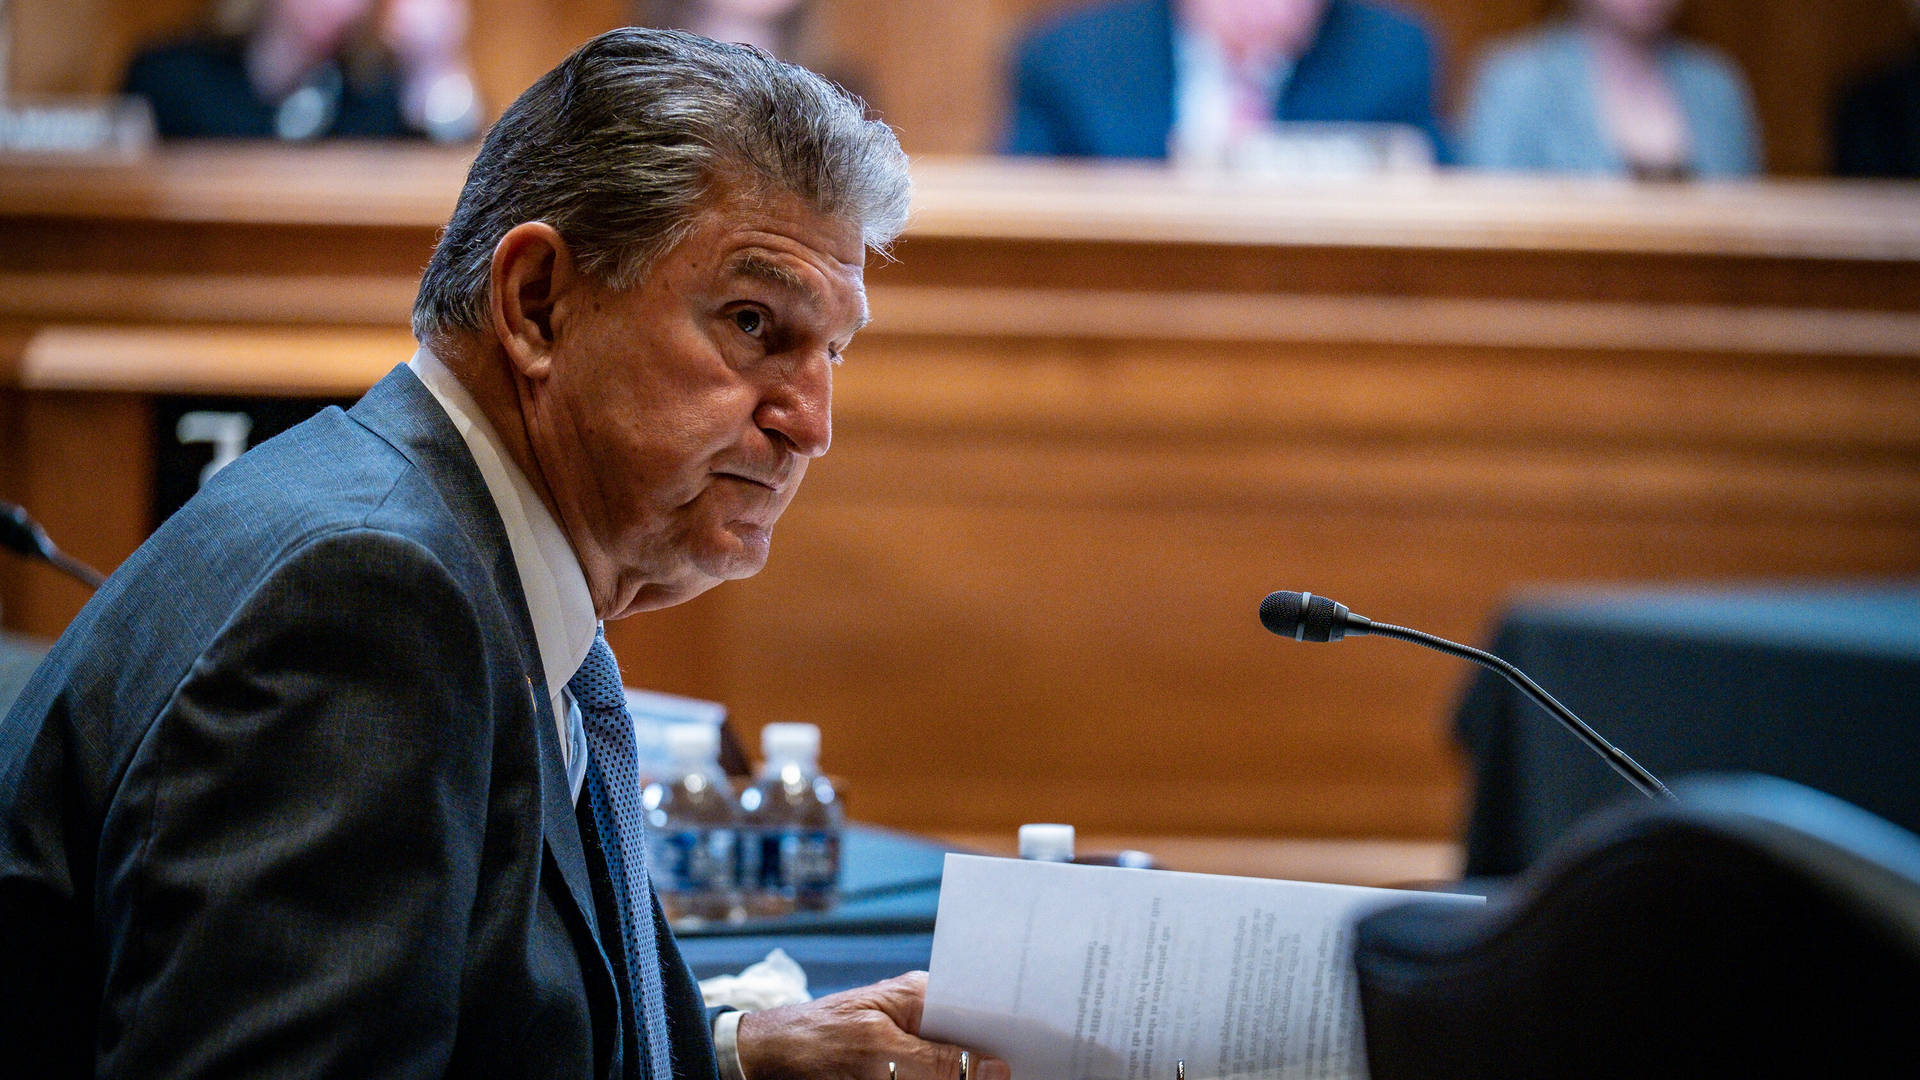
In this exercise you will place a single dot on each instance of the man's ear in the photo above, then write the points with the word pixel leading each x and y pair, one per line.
pixel 532 274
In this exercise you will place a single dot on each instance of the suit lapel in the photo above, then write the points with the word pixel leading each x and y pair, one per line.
pixel 559 824
pixel 402 411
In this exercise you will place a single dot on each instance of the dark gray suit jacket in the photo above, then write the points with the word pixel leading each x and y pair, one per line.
pixel 287 798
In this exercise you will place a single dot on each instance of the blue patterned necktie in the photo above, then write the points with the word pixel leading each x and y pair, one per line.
pixel 613 793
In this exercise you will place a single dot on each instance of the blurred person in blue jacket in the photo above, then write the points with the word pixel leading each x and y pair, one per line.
pixel 307 69
pixel 1876 125
pixel 1138 78
pixel 1611 91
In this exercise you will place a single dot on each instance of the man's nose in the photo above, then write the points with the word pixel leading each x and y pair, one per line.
pixel 800 407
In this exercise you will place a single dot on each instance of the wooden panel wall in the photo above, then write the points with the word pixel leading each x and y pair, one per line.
pixel 82 46
pixel 1024 583
pixel 515 41
pixel 935 68
pixel 1101 413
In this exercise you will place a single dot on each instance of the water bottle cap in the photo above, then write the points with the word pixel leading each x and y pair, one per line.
pixel 790 742
pixel 1047 843
pixel 692 742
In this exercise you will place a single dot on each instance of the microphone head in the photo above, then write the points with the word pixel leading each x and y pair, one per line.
pixel 1304 616
pixel 20 532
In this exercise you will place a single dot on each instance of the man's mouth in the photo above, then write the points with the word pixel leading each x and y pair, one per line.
pixel 772 480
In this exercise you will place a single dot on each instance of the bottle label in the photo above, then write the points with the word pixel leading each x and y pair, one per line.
pixel 770 866
pixel 804 863
pixel 693 860
pixel 751 858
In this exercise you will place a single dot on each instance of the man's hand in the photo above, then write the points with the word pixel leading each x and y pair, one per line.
pixel 852 1036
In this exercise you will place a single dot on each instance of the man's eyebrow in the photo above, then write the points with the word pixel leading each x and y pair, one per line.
pixel 752 264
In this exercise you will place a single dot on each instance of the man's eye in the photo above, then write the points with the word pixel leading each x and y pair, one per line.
pixel 750 322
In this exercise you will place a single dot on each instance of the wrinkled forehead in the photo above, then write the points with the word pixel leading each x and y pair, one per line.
pixel 743 191
pixel 765 210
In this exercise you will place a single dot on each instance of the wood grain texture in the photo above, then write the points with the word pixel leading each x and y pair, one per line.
pixel 1063 201
pixel 1089 429
pixel 1280 317
pixel 1379 863
pixel 211 360
pixel 85 472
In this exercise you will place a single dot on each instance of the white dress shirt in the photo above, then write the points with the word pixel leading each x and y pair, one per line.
pixel 557 596
pixel 1210 92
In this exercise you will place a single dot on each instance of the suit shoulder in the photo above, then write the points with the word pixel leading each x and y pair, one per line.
pixel 172 64
pixel 1094 33
pixel 1711 68
pixel 327 490
pixel 1891 85
pixel 1531 59
pixel 354 588
pixel 1384 25
pixel 327 474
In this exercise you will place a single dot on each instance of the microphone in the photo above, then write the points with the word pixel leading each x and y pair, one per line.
pixel 1303 616
pixel 24 535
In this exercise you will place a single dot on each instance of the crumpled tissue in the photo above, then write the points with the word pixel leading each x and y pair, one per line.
pixel 778 980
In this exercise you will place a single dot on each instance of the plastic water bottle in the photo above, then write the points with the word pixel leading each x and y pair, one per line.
pixel 694 829
pixel 792 820
pixel 653 713
pixel 1046 842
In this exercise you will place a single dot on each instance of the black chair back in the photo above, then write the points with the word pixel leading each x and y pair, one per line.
pixel 1754 928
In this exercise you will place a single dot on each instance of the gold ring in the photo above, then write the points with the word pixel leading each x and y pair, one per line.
pixel 966 1064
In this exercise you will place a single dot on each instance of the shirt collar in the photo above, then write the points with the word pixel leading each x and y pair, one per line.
pixel 550 576
pixel 1204 97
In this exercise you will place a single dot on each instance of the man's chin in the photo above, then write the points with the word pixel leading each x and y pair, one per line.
pixel 665 594
pixel 741 553
pixel 744 557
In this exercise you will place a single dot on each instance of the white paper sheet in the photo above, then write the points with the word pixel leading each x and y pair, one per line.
pixel 1097 973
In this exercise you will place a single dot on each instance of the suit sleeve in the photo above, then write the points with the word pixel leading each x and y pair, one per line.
pixel 289 872
pixel 689 1021
pixel 1733 147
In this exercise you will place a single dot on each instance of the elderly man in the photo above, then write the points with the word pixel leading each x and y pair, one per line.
pixel 333 777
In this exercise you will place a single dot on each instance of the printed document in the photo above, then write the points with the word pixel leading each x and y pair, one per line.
pixel 1097 973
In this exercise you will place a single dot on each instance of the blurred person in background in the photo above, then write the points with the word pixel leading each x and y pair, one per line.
pixel 772 26
pixel 783 28
pixel 1876 128
pixel 308 69
pixel 1149 78
pixel 1611 91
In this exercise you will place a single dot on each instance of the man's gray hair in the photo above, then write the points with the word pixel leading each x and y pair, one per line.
pixel 630 138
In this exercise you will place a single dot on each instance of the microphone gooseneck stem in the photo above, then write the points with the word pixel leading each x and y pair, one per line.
pixel 76 569
pixel 1642 780
pixel 21 533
